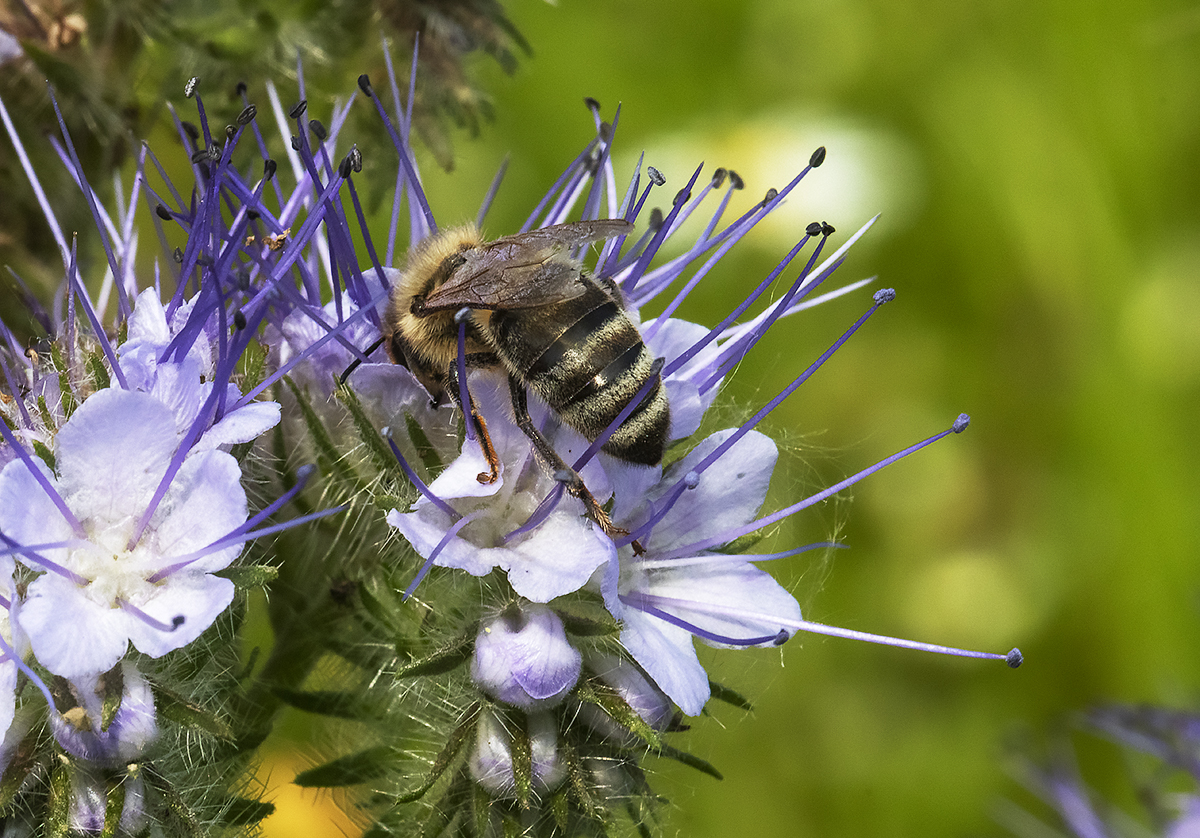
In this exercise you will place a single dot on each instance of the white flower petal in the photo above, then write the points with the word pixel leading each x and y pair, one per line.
pixel 205 503
pixel 197 597
pixel 242 425
pixel 28 516
pixel 112 453
pixel 71 635
pixel 667 654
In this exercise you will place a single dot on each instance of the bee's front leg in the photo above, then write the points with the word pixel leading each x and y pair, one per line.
pixel 476 361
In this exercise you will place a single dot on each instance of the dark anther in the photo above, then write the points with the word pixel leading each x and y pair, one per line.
pixel 163 213
pixel 655 176
pixel 298 109
pixel 191 130
pixel 203 259
pixel 269 167
pixel 656 219
pixel 295 143
pixel 818 157
pixel 364 84
pixel 606 132
pixel 242 277
pixel 189 89
pixel 201 156
pixel 813 229
pixel 680 196
pixel 178 255
pixel 318 129
pixel 177 621
pixel 960 423
pixel 345 167
pixel 230 132
pixel 735 180
pixel 1014 658
pixel 355 158
pixel 247 115
pixel 592 104
pixel 718 178
pixel 240 90
pixel 781 638
pixel 827 229
pixel 239 320
pixel 884 295
pixel 771 195
pixel 253 215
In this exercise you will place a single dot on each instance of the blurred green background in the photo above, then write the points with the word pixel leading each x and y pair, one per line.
pixel 1036 164
pixel 1035 167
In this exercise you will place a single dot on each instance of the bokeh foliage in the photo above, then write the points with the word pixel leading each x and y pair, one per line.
pixel 1036 167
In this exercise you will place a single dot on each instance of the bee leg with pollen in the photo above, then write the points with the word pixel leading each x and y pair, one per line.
pixel 476 361
pixel 561 471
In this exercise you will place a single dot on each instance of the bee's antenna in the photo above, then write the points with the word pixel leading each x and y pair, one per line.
pixel 355 363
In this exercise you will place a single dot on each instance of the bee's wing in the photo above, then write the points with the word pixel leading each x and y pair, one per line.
pixel 522 271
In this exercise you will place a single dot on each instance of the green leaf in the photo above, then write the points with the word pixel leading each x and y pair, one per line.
pixel 610 701
pixel 46 455
pixel 458 737
pixel 425 450
pixel 723 693
pixel 241 811
pixel 381 453
pixel 95 365
pixel 350 770
pixel 690 760
pixel 183 712
pixel 325 703
pixel 443 660
pixel 249 577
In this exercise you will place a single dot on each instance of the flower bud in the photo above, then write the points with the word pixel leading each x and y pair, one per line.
pixel 641 694
pixel 523 657
pixel 491 762
pixel 80 730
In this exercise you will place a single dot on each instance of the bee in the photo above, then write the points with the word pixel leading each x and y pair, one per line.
pixel 533 312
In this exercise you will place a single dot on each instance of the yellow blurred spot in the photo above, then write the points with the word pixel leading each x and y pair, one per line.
pixel 1160 331
pixel 311 813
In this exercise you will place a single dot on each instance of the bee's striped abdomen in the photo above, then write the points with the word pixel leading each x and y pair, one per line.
pixel 589 371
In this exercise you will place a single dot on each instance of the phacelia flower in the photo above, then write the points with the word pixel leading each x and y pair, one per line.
pixel 105 579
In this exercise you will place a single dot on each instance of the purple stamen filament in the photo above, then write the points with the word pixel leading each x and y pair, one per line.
pixel 418 482
pixel 464 395
pixel 129 607
pixel 42 480
pixel 11 654
pixel 441 545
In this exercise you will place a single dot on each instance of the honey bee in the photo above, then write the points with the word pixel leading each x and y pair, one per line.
pixel 533 312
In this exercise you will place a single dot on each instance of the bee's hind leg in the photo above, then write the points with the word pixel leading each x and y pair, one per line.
pixel 573 482
pixel 475 361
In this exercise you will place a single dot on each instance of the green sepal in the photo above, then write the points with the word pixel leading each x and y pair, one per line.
pixel 252 361
pixel 425 450
pixel 114 805
pixel 481 808
pixel 723 693
pixel 46 455
pixel 190 715
pixel 95 365
pixel 44 412
pixel 454 744
pixel 741 544
pixel 350 770
pixel 382 606
pixel 577 777
pixel 598 624
pixel 330 460
pixel 513 828
pixel 443 660
pixel 113 684
pixel 380 452
pixel 339 705
pixel 521 752
pixel 610 701
pixel 560 809
pixel 182 819
pixel 242 811
pixel 24 760
pixel 249 577
pixel 58 819
pixel 64 380
pixel 443 813
pixel 690 760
